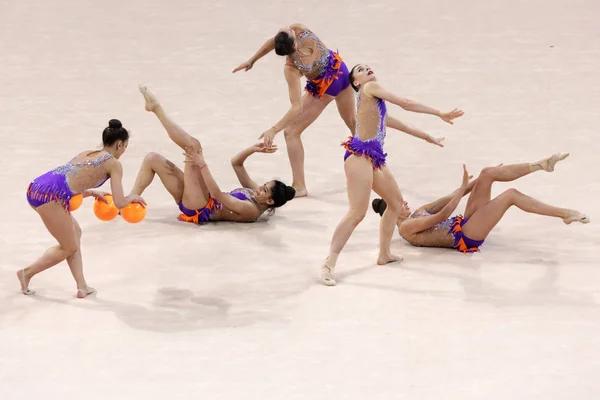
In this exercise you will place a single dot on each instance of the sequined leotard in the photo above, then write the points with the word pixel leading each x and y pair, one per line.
pixel 65 181
pixel 370 131
pixel 214 211
pixel 325 71
pixel 447 233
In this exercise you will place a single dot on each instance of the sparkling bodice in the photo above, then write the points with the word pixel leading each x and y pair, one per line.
pixel 436 236
pixel 313 65
pixel 371 118
pixel 84 174
pixel 443 226
pixel 243 194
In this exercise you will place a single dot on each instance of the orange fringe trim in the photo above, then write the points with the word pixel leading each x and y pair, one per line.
pixel 346 145
pixel 211 206
pixel 324 83
pixel 461 245
pixel 48 197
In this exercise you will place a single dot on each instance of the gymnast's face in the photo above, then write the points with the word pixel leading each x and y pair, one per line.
pixel 363 74
pixel 404 213
pixel 264 193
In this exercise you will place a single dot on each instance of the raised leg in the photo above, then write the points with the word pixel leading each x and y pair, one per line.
pixel 195 193
pixel 385 185
pixel 175 132
pixel 482 191
pixel 485 218
pixel 312 107
pixel 359 178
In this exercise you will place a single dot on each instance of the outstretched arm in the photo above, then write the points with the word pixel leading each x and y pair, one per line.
pixel 265 49
pixel 413 131
pixel 292 76
pixel 416 225
pixel 376 90
pixel 237 163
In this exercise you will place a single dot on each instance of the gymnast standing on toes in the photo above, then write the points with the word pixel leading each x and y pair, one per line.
pixel 365 165
pixel 49 195
pixel 432 225
pixel 194 189
pixel 326 79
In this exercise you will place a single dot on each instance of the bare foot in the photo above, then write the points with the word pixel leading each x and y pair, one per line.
pixel 81 293
pixel 327 275
pixel 548 164
pixel 388 258
pixel 24 281
pixel 577 217
pixel 151 101
pixel 301 192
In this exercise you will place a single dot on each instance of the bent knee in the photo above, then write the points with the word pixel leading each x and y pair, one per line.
pixel 292 132
pixel 152 158
pixel 509 195
pixel 158 162
pixel 356 217
pixel 487 172
pixel 70 248
pixel 512 192
pixel 196 143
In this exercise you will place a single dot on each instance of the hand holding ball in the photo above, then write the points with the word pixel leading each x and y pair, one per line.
pixel 105 211
pixel 133 212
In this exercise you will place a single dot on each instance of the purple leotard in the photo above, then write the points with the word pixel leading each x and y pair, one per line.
pixel 204 214
pixel 54 184
pixel 372 148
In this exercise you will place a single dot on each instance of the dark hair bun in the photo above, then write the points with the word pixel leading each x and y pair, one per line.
pixel 115 124
pixel 290 192
pixel 114 132
pixel 284 44
pixel 280 49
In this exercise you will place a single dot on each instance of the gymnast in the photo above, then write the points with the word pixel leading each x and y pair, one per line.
pixel 433 225
pixel 365 164
pixel 194 189
pixel 50 195
pixel 326 80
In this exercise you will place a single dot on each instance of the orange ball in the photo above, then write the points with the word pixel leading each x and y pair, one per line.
pixel 133 212
pixel 75 202
pixel 105 211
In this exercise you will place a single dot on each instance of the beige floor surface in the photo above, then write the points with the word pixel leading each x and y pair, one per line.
pixel 234 311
